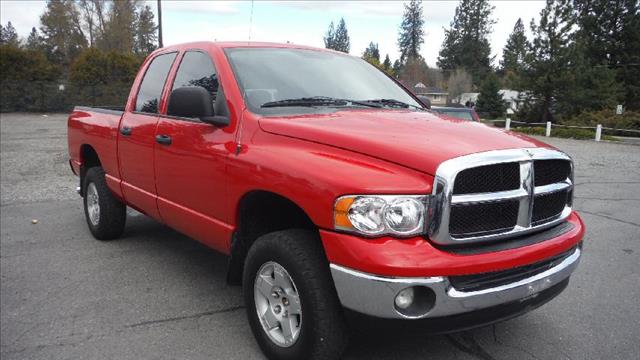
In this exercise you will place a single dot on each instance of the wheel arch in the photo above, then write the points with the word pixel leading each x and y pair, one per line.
pixel 260 212
pixel 88 158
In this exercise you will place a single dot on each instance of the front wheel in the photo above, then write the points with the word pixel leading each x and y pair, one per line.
pixel 106 215
pixel 292 305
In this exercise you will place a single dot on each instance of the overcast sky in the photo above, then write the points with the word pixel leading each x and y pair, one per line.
pixel 301 22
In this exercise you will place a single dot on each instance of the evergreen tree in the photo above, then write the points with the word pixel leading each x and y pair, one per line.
pixel 411 35
pixel 62 36
pixel 120 27
pixel 329 37
pixel 628 72
pixel 146 35
pixel 342 42
pixel 338 38
pixel 593 88
pixel 8 35
pixel 397 67
pixel 610 35
pixel 490 102
pixel 34 41
pixel 372 54
pixel 513 56
pixel 387 66
pixel 466 42
pixel 547 62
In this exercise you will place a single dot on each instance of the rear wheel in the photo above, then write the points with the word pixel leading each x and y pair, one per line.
pixel 291 302
pixel 106 215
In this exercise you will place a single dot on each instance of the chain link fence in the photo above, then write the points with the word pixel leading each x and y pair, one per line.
pixel 49 96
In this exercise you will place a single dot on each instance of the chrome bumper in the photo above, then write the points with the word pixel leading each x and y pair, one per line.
pixel 374 295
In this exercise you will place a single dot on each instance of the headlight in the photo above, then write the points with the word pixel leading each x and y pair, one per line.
pixel 375 215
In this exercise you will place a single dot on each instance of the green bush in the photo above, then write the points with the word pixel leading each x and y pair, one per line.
pixel 566 133
pixel 28 81
pixel 102 78
pixel 608 118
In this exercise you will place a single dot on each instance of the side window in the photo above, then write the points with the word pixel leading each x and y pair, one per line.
pixel 196 69
pixel 153 82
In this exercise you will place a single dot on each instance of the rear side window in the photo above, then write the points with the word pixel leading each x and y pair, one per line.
pixel 153 82
pixel 196 69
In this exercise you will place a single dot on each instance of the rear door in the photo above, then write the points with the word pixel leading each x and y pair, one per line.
pixel 191 164
pixel 136 138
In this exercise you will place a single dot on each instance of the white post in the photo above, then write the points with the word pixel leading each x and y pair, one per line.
pixel 507 124
pixel 598 132
pixel 548 133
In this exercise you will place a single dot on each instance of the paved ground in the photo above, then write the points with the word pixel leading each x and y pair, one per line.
pixel 157 294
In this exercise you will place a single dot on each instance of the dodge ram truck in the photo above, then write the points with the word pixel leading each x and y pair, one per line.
pixel 339 199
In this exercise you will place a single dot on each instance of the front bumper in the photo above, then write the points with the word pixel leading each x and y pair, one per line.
pixel 375 295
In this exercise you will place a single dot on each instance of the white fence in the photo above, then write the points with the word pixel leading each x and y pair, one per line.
pixel 548 127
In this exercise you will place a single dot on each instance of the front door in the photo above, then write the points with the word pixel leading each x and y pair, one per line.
pixel 136 138
pixel 190 162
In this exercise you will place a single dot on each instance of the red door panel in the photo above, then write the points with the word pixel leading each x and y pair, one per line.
pixel 136 141
pixel 191 180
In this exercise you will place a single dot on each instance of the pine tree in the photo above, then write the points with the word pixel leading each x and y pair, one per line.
pixel 8 35
pixel 120 28
pixel 62 36
pixel 372 54
pixel 387 66
pixel 146 35
pixel 329 37
pixel 466 42
pixel 547 62
pixel 593 88
pixel 490 102
pixel 513 56
pixel 342 42
pixel 411 35
pixel 337 38
pixel 610 35
pixel 628 69
pixel 34 41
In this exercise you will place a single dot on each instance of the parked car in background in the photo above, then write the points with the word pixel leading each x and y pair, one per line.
pixel 336 194
pixel 463 113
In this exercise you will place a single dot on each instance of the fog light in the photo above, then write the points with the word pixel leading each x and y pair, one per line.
pixel 404 299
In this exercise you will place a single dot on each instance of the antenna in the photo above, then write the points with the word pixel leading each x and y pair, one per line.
pixel 250 21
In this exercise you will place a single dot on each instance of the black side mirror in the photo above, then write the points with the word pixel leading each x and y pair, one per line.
pixel 195 102
pixel 425 101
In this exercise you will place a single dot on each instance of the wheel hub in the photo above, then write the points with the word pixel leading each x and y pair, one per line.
pixel 278 304
pixel 93 204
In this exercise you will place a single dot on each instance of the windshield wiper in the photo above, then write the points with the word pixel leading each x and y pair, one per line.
pixel 318 101
pixel 391 103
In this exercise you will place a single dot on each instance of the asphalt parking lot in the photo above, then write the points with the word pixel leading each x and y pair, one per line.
pixel 156 294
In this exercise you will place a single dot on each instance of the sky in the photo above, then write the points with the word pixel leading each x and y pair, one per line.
pixel 301 22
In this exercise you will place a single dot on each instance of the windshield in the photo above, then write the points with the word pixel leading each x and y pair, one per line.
pixel 268 75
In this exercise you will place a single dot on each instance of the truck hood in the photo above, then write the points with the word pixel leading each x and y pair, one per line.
pixel 419 140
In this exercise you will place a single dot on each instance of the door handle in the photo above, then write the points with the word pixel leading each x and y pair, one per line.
pixel 125 130
pixel 163 139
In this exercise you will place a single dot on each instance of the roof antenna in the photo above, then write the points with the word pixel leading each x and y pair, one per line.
pixel 250 22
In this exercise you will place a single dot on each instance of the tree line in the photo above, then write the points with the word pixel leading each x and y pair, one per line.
pixel 583 56
pixel 93 48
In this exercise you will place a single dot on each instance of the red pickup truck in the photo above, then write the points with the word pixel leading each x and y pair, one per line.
pixel 339 198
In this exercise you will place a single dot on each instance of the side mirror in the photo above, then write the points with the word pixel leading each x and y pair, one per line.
pixel 425 101
pixel 194 102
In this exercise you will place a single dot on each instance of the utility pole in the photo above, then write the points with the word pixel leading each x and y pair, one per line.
pixel 159 24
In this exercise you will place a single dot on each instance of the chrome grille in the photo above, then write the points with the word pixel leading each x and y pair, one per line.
pixel 500 194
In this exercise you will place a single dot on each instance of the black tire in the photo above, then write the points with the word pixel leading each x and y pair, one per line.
pixel 113 213
pixel 323 331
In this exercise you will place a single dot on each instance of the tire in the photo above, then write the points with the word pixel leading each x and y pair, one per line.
pixel 108 223
pixel 322 331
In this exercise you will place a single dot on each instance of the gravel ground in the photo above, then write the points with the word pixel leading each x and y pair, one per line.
pixel 158 294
